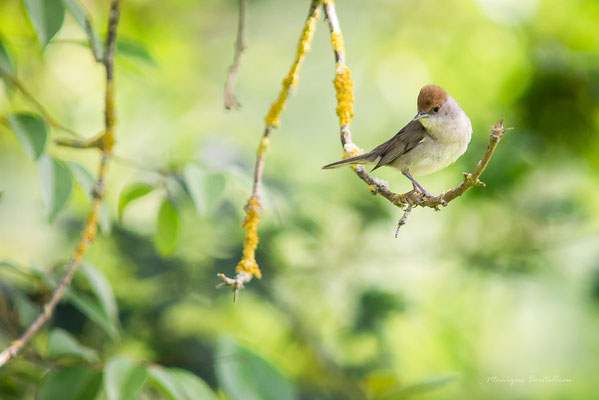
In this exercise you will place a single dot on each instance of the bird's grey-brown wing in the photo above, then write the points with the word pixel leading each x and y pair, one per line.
pixel 405 140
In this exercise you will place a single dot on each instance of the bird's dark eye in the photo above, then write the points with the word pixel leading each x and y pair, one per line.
pixel 436 109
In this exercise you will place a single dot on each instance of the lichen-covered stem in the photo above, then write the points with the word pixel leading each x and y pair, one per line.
pixel 290 82
pixel 248 267
pixel 89 231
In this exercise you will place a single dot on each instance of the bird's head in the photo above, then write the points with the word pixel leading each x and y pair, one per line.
pixel 433 105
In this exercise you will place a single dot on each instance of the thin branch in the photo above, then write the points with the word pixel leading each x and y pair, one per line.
pixel 404 218
pixel 240 44
pixel 89 231
pixel 96 142
pixel 247 267
pixel 14 81
pixel 92 38
pixel 344 89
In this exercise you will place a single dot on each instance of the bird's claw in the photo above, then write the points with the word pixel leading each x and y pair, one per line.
pixel 424 195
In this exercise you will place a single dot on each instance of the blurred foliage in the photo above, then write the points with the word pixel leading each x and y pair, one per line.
pixel 477 301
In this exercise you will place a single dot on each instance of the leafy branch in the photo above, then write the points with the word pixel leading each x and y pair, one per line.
pixel 89 231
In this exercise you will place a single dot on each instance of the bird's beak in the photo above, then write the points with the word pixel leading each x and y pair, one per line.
pixel 420 115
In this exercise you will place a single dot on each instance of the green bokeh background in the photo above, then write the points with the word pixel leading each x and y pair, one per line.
pixel 502 283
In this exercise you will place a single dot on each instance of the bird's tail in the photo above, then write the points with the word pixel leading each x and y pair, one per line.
pixel 361 159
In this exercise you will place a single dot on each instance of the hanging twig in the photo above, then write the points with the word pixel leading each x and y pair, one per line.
pixel 247 267
pixel 240 44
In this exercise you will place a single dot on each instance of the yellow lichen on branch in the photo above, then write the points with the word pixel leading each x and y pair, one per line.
pixel 108 135
pixel 351 150
pixel 344 87
pixel 89 233
pixel 248 264
pixel 291 80
pixel 263 146
pixel 338 43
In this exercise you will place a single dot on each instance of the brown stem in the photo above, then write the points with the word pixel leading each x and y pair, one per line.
pixel 89 231
pixel 240 44
pixel 96 143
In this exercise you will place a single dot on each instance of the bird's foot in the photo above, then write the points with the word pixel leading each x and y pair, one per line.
pixel 422 194
pixel 425 195
pixel 417 187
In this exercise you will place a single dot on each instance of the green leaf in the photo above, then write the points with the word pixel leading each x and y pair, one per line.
pixel 26 309
pixel 123 378
pixel 179 384
pixel 46 16
pixel 132 192
pixel 61 344
pixel 102 290
pixel 82 17
pixel 135 50
pixel 86 181
pixel 83 177
pixel 244 375
pixel 93 311
pixel 57 185
pixel 7 68
pixel 105 222
pixel 206 189
pixel 30 274
pixel 31 131
pixel 70 383
pixel 167 230
pixel 6 63
pixel 191 386
pixel 161 377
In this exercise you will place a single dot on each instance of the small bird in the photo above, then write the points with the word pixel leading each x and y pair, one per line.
pixel 437 136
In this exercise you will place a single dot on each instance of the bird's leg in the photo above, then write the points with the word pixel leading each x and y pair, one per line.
pixel 416 184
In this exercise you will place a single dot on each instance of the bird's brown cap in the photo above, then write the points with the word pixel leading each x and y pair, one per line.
pixel 431 96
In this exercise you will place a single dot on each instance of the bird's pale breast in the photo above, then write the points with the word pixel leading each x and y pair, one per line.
pixel 446 142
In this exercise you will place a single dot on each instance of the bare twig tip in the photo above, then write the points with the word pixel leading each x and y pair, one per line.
pixel 240 45
pixel 236 283
pixel 404 219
